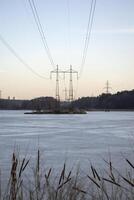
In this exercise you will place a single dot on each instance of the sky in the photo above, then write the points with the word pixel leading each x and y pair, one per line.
pixel 109 56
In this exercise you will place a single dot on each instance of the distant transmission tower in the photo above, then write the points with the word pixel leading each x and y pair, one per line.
pixel 107 88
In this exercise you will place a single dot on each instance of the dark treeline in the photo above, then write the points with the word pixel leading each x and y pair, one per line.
pixel 120 100
pixel 34 104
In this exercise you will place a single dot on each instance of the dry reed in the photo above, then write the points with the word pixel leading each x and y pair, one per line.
pixel 43 185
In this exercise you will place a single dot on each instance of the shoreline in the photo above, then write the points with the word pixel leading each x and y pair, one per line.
pixel 87 110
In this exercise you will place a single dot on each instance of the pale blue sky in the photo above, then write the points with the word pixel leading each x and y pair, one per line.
pixel 110 52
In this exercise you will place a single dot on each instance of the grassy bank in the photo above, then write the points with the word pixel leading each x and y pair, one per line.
pixel 43 184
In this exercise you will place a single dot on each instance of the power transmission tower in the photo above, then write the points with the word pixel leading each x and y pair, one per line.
pixel 66 96
pixel 107 87
pixel 71 72
pixel 71 85
pixel 57 87
pixel 71 96
pixel 57 83
pixel 57 72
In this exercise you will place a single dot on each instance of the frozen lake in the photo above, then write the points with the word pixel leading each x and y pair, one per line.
pixel 75 138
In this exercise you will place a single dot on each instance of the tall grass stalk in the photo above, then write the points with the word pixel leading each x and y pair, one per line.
pixel 42 184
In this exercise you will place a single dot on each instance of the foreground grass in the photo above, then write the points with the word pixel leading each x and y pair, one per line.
pixel 42 184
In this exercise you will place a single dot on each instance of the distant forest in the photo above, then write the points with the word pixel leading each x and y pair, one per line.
pixel 120 100
pixel 34 104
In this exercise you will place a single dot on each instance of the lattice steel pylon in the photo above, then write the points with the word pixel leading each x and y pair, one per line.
pixel 107 87
pixel 71 71
pixel 66 96
pixel 57 84
pixel 56 71
pixel 71 85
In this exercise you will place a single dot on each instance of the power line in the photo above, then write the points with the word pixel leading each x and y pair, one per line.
pixel 88 34
pixel 19 58
pixel 69 30
pixel 41 31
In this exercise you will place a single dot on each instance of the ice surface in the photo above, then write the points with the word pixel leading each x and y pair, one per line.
pixel 75 138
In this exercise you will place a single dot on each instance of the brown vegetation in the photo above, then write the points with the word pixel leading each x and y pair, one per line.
pixel 44 185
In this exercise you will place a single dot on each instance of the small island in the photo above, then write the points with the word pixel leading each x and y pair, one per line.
pixel 55 107
pixel 58 112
